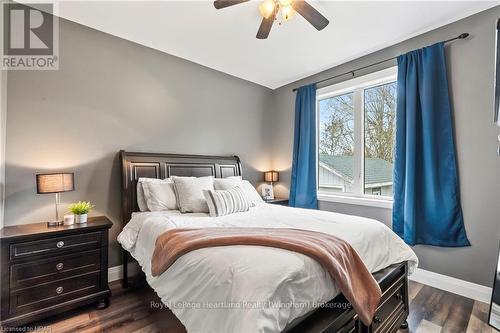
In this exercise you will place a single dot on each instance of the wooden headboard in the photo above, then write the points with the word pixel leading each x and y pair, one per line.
pixel 153 165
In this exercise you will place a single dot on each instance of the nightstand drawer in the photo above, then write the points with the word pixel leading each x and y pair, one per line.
pixel 43 295
pixel 55 245
pixel 46 270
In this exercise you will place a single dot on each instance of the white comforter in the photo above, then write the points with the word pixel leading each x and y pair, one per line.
pixel 252 288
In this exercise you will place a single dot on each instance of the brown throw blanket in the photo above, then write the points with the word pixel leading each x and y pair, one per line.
pixel 334 254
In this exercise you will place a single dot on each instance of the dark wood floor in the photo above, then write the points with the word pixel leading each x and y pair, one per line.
pixel 432 310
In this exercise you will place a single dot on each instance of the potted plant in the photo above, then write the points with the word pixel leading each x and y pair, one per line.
pixel 81 209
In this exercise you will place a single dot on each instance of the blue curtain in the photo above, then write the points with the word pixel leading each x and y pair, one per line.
pixel 303 183
pixel 427 206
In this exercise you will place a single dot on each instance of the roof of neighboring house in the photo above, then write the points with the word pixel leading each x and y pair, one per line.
pixel 377 170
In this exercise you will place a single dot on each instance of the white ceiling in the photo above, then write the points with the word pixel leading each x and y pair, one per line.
pixel 225 39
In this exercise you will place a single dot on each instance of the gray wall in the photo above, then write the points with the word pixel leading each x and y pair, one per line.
pixel 471 65
pixel 111 94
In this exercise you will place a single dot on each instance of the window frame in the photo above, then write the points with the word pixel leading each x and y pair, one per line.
pixel 357 86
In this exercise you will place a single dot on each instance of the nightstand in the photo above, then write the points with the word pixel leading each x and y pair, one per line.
pixel 48 270
pixel 277 201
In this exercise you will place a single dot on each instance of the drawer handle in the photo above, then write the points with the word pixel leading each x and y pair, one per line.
pixel 377 320
pixel 60 244
pixel 59 290
pixel 59 266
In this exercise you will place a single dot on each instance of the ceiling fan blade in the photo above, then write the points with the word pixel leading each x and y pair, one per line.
pixel 265 26
pixel 310 14
pixel 219 4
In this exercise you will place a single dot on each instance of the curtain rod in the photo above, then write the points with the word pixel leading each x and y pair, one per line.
pixel 461 36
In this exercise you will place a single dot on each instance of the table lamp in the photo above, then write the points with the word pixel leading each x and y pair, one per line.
pixel 267 190
pixel 55 183
pixel 271 176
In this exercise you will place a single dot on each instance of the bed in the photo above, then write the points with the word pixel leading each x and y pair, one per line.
pixel 251 288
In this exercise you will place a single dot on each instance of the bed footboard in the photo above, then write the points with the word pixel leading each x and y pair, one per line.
pixel 391 314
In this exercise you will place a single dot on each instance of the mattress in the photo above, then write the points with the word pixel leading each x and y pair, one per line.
pixel 252 288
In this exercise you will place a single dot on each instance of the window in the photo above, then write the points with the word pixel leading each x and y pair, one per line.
pixel 356 129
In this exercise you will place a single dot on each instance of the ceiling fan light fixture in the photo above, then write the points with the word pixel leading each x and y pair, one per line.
pixel 266 8
pixel 285 3
pixel 269 9
pixel 287 12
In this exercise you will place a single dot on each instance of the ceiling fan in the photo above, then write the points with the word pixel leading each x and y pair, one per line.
pixel 269 9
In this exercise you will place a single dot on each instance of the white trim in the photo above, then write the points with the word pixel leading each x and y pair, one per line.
pixel 115 273
pixel 366 81
pixel 353 200
pixel 356 86
pixel 460 287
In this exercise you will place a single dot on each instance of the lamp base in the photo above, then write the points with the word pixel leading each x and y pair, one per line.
pixel 54 223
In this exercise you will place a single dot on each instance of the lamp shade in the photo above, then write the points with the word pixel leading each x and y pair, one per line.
pixel 271 176
pixel 54 182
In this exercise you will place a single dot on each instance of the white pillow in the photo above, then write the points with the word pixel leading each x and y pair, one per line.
pixel 251 193
pixel 160 195
pixel 226 202
pixel 227 183
pixel 189 191
pixel 141 199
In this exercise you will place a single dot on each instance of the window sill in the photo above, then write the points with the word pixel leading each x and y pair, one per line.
pixel 360 201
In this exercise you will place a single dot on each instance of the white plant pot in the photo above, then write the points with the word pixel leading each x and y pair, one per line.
pixel 81 218
pixel 69 219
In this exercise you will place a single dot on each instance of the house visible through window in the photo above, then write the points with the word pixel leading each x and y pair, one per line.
pixel 356 130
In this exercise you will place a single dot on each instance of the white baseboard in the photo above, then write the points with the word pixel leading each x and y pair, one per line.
pixel 440 281
pixel 115 273
pixel 453 285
